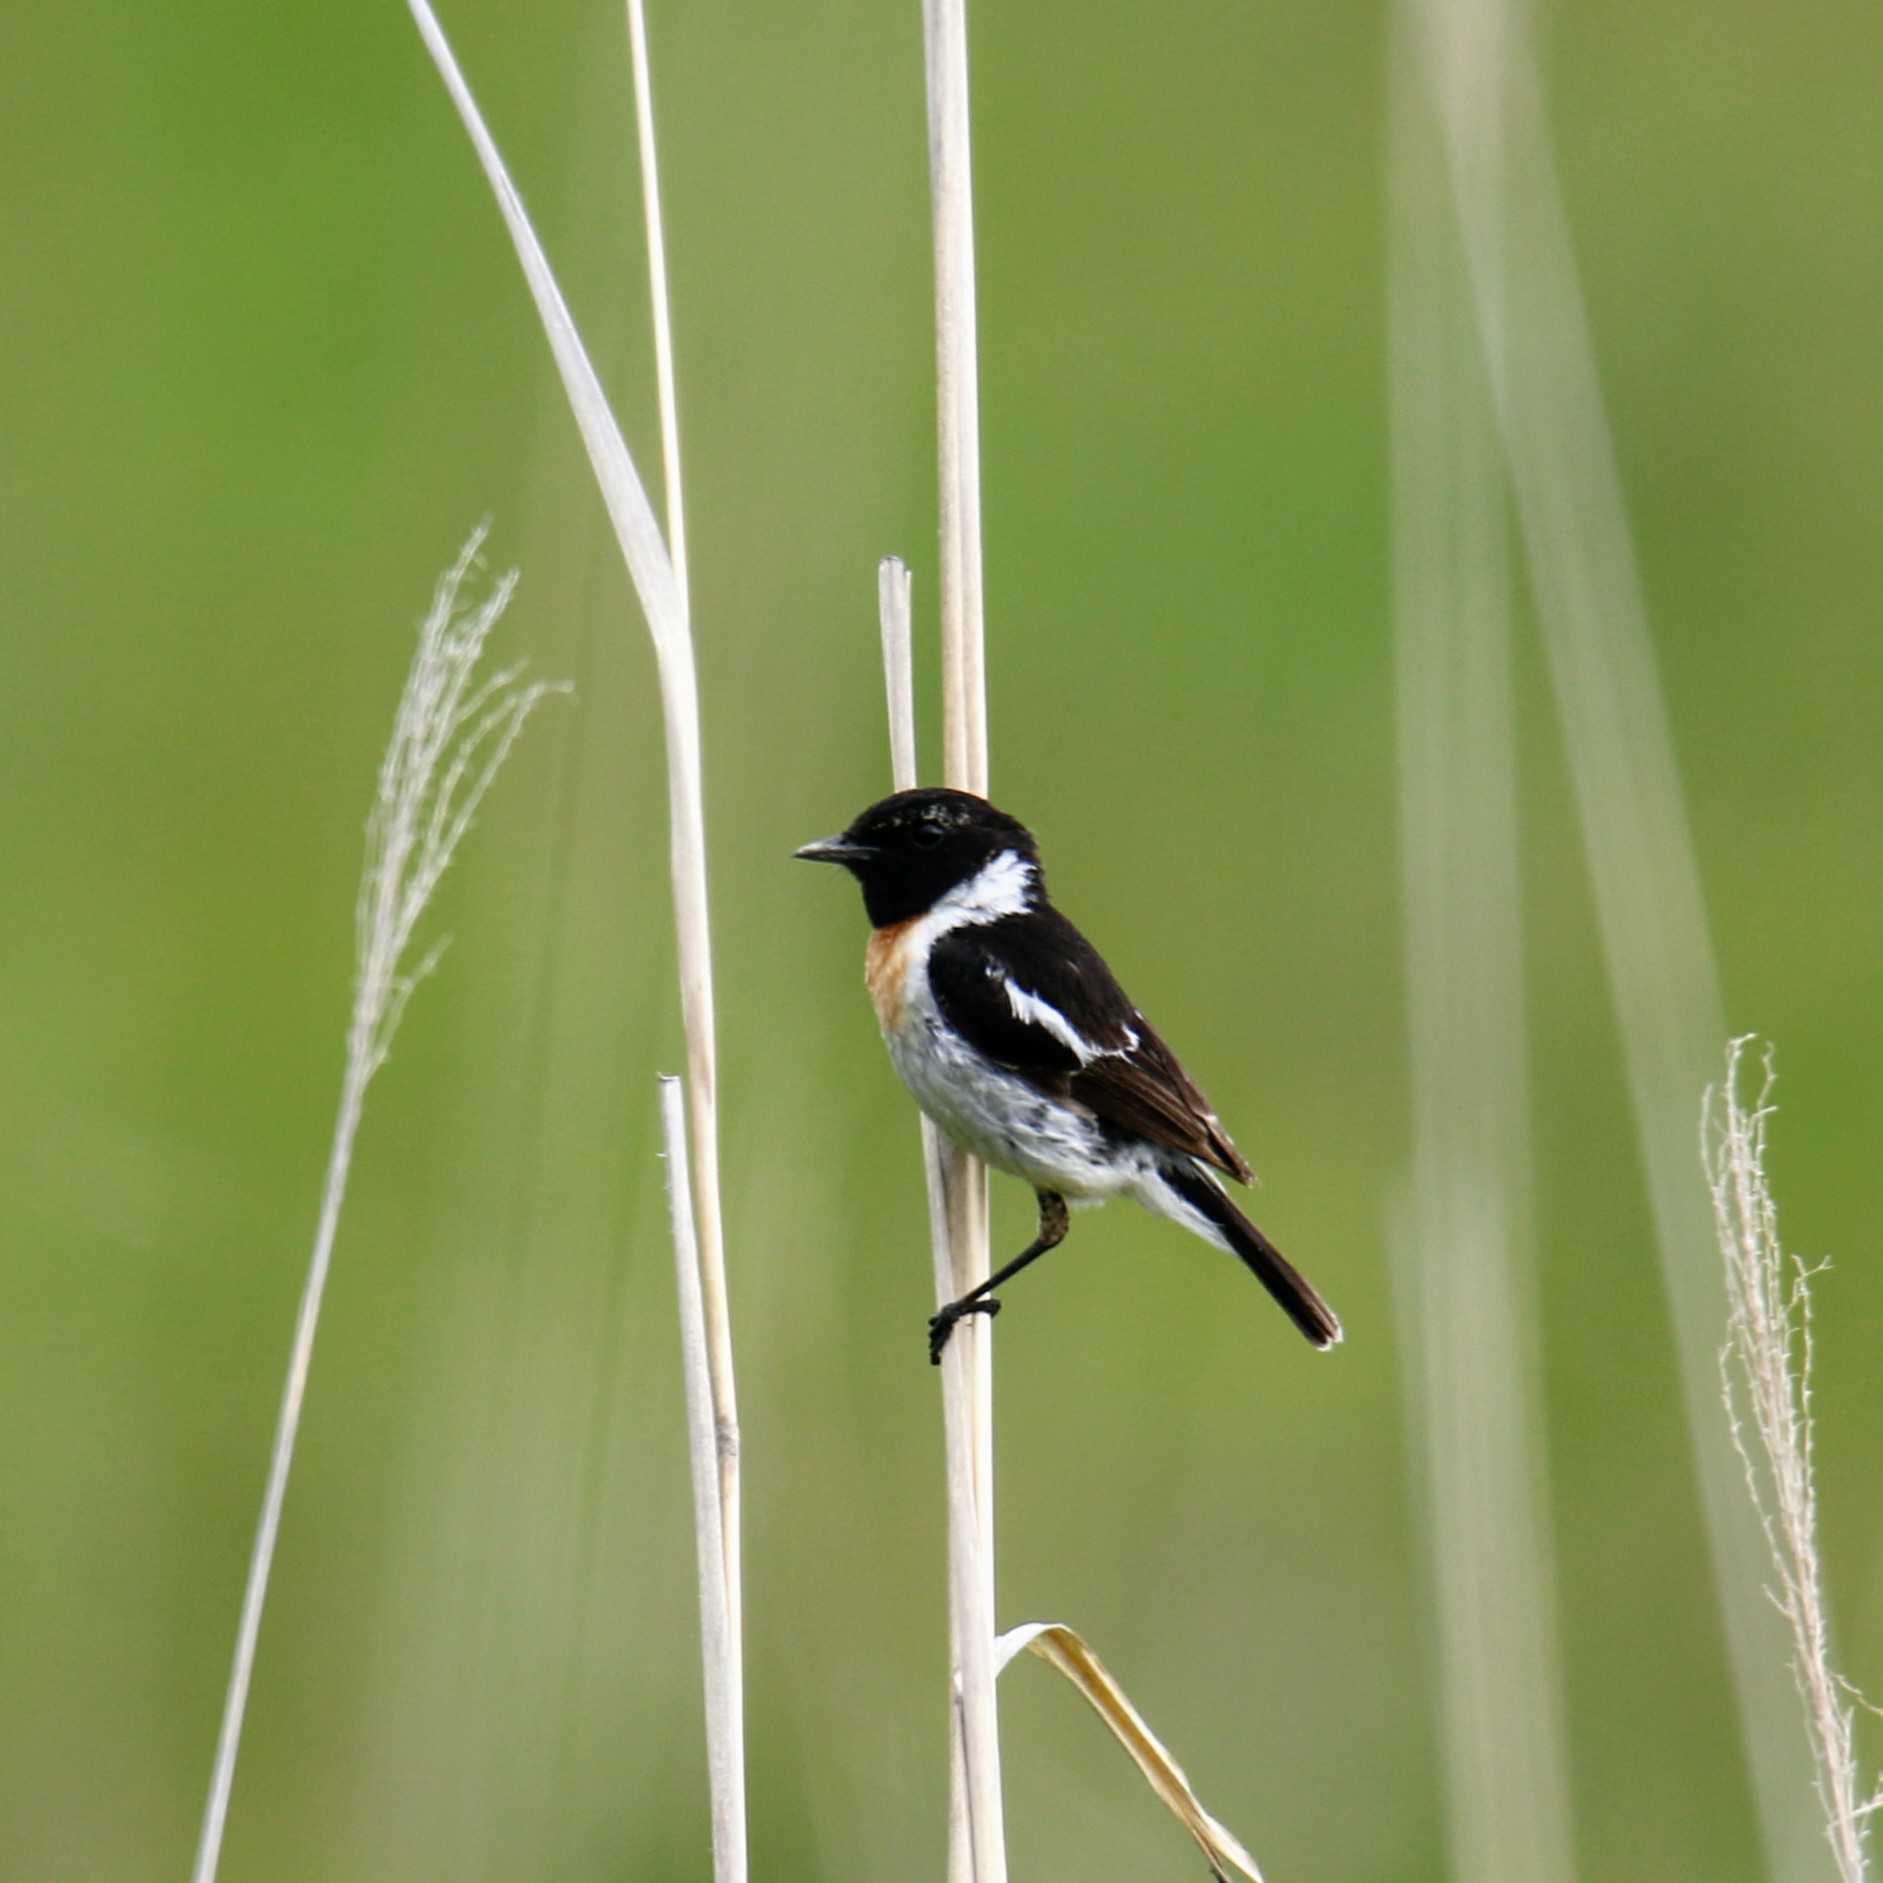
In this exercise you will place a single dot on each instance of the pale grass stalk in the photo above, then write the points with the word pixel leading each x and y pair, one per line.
pixel 1465 1237
pixel 713 1282
pixel 717 1648
pixel 959 1182
pixel 957 381
pixel 1479 59
pixel 661 586
pixel 449 741
pixel 1765 1377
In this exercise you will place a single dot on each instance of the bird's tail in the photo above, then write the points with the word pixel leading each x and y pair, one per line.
pixel 1202 1196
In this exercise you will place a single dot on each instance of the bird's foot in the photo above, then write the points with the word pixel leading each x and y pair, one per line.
pixel 941 1325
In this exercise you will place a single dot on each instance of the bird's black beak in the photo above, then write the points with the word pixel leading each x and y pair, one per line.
pixel 835 850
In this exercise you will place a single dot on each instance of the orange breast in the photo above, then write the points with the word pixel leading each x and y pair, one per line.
pixel 886 973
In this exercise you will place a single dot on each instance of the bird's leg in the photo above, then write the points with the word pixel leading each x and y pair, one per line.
pixel 1053 1225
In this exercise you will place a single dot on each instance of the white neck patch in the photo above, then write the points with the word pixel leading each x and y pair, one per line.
pixel 1000 887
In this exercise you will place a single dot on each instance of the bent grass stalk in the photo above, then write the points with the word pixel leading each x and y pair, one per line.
pixel 657 572
pixel 1067 1650
pixel 449 741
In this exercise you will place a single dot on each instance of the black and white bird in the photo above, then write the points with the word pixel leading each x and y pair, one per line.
pixel 1016 1038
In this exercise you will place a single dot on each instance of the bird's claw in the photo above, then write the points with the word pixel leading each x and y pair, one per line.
pixel 942 1324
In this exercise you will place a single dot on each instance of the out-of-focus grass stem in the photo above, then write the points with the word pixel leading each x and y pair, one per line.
pixel 1546 399
pixel 1465 1256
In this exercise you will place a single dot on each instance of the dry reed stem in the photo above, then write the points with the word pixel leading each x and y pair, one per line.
pixel 726 1760
pixel 956 1180
pixel 957 378
pixel 718 1644
pixel 970 1582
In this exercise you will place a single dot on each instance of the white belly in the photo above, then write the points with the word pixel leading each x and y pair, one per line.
pixel 1000 1118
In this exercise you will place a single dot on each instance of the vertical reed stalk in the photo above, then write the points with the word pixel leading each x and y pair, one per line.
pixel 969 1545
pixel 957 379
pixel 702 1084
pixel 957 1182
pixel 719 1648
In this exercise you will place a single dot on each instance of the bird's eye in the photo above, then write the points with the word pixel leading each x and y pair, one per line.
pixel 926 836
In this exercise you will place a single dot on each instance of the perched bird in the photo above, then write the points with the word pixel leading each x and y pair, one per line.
pixel 1016 1038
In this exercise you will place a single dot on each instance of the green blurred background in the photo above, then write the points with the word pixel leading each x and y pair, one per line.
pixel 265 358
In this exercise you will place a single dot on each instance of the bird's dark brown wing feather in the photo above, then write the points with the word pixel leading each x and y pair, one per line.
pixel 1138 1088
pixel 1148 1092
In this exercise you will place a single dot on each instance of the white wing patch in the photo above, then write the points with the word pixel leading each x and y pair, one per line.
pixel 1031 1010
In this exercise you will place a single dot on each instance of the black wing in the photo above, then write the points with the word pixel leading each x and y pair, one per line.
pixel 1035 996
pixel 1024 1001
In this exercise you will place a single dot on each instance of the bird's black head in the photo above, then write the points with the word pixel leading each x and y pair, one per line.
pixel 912 850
